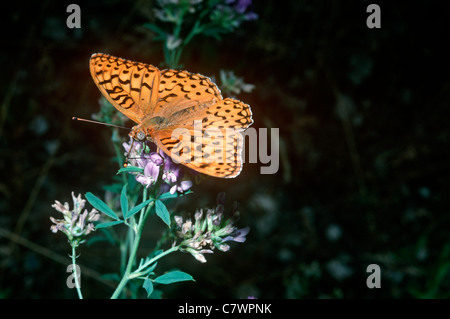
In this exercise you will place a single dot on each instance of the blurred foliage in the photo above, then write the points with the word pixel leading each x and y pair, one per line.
pixel 364 167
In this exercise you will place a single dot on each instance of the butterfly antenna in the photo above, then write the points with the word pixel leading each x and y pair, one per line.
pixel 112 125
pixel 101 123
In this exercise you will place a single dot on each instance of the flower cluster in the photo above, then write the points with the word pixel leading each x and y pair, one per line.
pixel 75 223
pixel 171 10
pixel 208 231
pixel 153 164
pixel 232 13
pixel 208 17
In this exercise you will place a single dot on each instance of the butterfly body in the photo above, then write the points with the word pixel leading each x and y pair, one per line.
pixel 164 102
pixel 147 128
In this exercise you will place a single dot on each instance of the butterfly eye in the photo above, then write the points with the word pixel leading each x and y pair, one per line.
pixel 140 135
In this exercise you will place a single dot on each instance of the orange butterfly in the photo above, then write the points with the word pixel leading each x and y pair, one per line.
pixel 183 113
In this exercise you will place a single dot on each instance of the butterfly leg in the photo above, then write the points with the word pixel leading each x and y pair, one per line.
pixel 128 154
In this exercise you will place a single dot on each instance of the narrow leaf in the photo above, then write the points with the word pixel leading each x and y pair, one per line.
pixel 155 253
pixel 168 195
pixel 156 29
pixel 124 200
pixel 173 276
pixel 130 168
pixel 151 268
pixel 100 205
pixel 157 294
pixel 137 208
pixel 109 224
pixel 148 286
pixel 162 212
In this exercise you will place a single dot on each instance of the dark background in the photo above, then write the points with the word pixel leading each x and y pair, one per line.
pixel 364 167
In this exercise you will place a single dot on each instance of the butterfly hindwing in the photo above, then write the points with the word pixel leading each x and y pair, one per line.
pixel 215 152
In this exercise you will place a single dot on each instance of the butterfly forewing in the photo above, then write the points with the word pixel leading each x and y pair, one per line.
pixel 130 86
pixel 183 92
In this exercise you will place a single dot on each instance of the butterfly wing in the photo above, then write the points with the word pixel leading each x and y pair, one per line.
pixel 131 87
pixel 222 160
pixel 182 91
pixel 208 140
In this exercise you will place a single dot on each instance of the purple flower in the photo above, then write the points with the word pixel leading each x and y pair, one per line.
pixel 150 176
pixel 133 150
pixel 181 187
pixel 208 231
pixel 251 16
pixel 171 171
pixel 152 163
pixel 242 5
pixel 76 223
pixel 172 176
pixel 238 235
pixel 155 158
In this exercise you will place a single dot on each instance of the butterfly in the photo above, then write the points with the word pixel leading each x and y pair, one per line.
pixel 183 113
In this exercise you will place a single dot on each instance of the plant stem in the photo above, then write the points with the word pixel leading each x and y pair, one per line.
pixel 131 259
pixel 137 273
pixel 75 273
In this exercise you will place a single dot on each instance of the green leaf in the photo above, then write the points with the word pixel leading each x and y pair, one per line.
pixel 162 212
pixel 157 294
pixel 151 267
pixel 148 286
pixel 161 34
pixel 144 261
pixel 100 205
pixel 173 276
pixel 131 168
pixel 124 200
pixel 155 253
pixel 109 224
pixel 168 195
pixel 137 208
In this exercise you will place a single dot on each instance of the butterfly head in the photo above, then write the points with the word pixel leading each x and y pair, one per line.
pixel 139 134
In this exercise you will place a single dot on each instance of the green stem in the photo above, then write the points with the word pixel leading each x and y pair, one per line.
pixel 75 273
pixel 195 30
pixel 125 247
pixel 131 259
pixel 138 272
